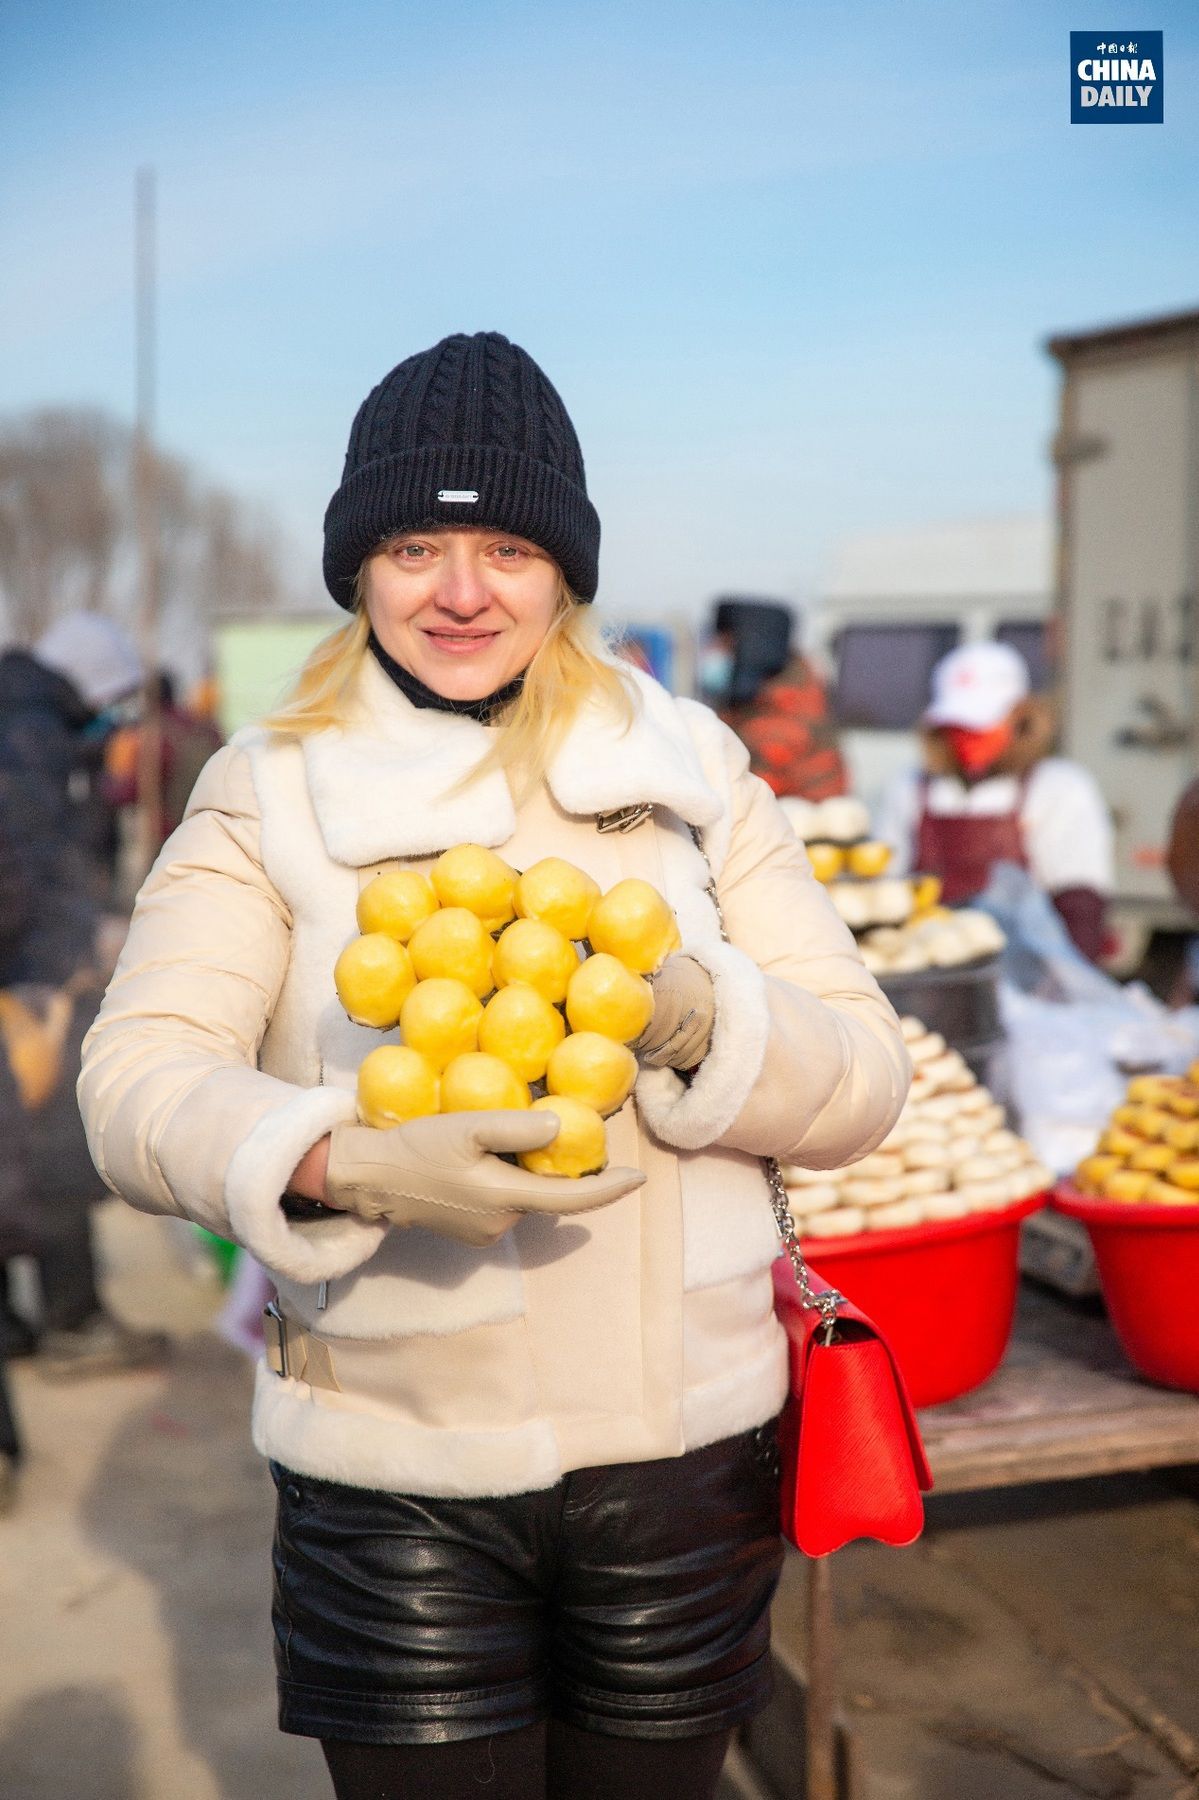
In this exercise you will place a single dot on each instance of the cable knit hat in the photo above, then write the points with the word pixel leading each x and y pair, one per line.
pixel 470 432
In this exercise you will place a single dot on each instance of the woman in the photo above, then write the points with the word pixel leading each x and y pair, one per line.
pixel 527 1527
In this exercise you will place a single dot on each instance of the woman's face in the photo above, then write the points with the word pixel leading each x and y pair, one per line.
pixel 463 611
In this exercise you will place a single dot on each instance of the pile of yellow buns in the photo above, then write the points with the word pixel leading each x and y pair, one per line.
pixel 1149 1153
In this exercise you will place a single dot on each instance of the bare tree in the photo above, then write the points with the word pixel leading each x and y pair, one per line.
pixel 67 536
pixel 239 559
pixel 60 514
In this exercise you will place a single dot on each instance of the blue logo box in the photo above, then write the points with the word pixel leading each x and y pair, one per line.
pixel 1116 78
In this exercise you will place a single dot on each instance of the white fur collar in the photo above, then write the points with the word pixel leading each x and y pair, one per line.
pixel 380 786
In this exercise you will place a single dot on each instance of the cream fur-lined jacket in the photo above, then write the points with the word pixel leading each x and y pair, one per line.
pixel 221 1054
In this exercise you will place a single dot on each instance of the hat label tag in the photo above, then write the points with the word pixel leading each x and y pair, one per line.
pixel 466 496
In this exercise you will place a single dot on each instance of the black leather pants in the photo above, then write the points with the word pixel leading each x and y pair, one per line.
pixel 630 1600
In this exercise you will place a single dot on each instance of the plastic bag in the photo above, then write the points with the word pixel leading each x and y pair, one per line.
pixel 1040 958
pixel 1074 1036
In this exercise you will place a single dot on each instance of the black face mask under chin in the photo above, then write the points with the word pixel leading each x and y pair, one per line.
pixel 483 711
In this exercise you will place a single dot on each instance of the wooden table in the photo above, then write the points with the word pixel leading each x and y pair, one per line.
pixel 1064 1404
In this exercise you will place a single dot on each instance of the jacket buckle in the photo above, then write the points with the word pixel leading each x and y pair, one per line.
pixel 625 818
pixel 274 1332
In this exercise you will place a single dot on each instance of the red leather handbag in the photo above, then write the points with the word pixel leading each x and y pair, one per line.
pixel 853 1464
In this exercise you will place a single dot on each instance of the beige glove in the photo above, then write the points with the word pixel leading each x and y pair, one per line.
pixel 437 1172
pixel 680 1032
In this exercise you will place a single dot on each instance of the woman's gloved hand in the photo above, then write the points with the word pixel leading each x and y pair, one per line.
pixel 680 1032
pixel 441 1173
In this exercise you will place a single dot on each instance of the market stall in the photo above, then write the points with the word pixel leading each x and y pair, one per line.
pixel 1014 1386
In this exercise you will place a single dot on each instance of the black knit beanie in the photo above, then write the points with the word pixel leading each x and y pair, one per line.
pixel 470 432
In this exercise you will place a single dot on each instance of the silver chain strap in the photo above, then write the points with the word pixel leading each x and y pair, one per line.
pixel 825 1303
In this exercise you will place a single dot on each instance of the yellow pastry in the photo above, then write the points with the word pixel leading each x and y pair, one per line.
pixel 1183 1134
pixel 1127 1184
pixel 827 860
pixel 1091 1174
pixel 1147 1090
pixel 1184 1173
pixel 868 859
pixel 1146 1121
pixel 1120 1142
pixel 926 892
pixel 1154 1157
pixel 1164 1193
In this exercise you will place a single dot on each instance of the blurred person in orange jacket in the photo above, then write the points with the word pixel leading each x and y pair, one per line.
pixel 772 698
pixel 186 741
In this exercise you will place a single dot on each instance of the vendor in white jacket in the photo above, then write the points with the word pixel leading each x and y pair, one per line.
pixel 989 792
pixel 521 1427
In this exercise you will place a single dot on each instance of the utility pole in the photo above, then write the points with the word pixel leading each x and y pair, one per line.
pixel 146 501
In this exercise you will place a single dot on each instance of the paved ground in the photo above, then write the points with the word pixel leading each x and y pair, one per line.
pixel 1032 1647
pixel 134 1574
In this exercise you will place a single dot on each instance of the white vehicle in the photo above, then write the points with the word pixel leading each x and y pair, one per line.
pixel 895 602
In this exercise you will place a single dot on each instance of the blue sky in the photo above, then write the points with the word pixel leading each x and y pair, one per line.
pixel 790 265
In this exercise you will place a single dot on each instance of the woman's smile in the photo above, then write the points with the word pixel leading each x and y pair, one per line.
pixel 457 643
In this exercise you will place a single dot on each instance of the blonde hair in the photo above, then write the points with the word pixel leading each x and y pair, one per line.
pixel 318 698
pixel 572 665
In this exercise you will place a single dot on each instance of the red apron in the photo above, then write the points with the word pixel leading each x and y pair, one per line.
pixel 963 848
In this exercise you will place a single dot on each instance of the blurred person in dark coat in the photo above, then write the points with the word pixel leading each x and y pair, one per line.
pixel 772 698
pixel 16 1236
pixel 56 709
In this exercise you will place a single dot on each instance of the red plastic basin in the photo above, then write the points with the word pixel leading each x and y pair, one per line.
pixel 1148 1261
pixel 942 1294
